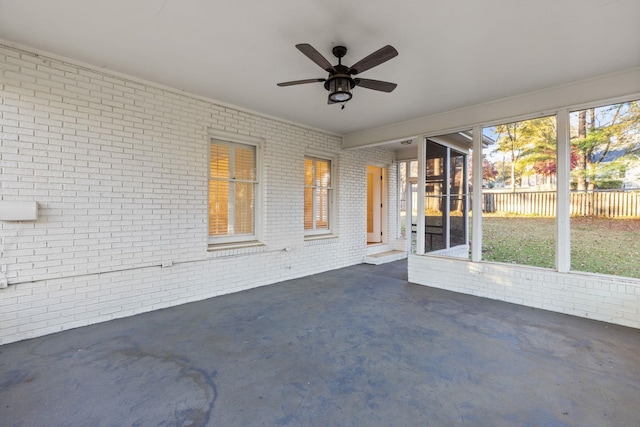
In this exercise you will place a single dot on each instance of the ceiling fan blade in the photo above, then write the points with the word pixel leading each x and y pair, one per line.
pixel 316 57
pixel 300 82
pixel 376 58
pixel 376 85
pixel 330 102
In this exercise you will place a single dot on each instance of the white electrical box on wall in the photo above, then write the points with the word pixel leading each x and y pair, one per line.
pixel 18 211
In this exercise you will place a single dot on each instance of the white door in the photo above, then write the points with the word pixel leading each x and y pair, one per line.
pixel 374 204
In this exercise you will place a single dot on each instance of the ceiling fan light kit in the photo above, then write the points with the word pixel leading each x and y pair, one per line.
pixel 340 82
pixel 339 89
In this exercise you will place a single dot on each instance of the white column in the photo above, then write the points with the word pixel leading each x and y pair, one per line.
pixel 422 160
pixel 563 233
pixel 476 202
pixel 446 205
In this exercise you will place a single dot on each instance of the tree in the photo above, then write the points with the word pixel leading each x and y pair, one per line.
pixel 605 142
pixel 539 156
pixel 606 139
pixel 489 171
pixel 511 143
pixel 530 146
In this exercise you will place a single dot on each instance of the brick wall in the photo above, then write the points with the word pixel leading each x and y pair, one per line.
pixel 118 168
pixel 614 300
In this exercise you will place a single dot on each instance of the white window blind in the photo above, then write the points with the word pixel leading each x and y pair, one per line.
pixel 317 194
pixel 232 188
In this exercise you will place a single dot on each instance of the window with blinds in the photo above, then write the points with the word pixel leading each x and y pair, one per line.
pixel 232 191
pixel 317 195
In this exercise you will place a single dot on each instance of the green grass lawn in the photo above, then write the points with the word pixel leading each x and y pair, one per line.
pixel 598 245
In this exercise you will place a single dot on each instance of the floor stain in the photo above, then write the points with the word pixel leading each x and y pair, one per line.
pixel 186 417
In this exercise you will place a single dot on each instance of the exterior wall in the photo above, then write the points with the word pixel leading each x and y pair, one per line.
pixel 119 170
pixel 609 299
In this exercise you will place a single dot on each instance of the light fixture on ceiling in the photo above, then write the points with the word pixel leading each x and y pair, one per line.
pixel 339 87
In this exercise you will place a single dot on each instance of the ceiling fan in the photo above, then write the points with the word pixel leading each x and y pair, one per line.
pixel 341 78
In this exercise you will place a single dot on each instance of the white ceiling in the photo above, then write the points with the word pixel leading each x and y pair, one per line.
pixel 452 53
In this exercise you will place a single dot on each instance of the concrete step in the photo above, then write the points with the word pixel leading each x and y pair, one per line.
pixel 384 257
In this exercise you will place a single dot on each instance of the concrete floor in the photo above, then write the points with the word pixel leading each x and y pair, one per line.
pixel 359 346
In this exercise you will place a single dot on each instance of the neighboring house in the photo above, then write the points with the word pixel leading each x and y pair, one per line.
pixel 619 170
pixel 631 180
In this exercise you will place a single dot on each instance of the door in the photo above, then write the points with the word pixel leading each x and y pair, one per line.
pixel 445 201
pixel 374 204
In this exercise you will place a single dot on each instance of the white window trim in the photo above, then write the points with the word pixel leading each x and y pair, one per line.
pixel 328 232
pixel 233 138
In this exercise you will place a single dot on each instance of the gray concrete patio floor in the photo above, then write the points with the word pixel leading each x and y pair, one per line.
pixel 359 346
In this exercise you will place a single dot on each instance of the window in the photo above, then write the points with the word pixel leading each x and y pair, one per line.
pixel 605 189
pixel 232 192
pixel 519 192
pixel 317 195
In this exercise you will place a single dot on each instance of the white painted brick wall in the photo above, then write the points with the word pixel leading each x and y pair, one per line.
pixel 118 168
pixel 614 300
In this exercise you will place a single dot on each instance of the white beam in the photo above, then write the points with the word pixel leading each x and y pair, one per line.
pixel 625 83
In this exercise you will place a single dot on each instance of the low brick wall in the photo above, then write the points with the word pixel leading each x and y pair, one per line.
pixel 599 297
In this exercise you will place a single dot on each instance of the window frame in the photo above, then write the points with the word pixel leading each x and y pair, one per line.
pixel 329 230
pixel 233 140
pixel 557 190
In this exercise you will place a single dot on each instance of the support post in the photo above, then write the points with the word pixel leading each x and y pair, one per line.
pixel 563 208
pixel 476 201
pixel 422 161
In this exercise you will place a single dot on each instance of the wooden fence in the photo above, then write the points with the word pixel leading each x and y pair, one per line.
pixel 612 204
